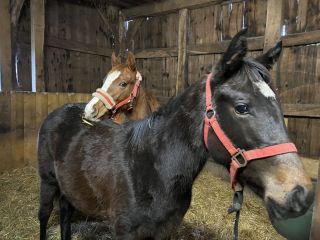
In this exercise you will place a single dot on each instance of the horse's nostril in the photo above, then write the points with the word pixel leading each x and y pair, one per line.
pixel 300 198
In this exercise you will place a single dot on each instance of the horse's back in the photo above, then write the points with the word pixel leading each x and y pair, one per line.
pixel 51 131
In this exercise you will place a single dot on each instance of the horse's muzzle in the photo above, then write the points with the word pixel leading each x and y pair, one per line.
pixel 297 202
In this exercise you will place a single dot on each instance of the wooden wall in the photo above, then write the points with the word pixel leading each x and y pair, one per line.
pixel 174 42
pixel 78 43
pixel 77 47
pixel 21 116
pixel 210 25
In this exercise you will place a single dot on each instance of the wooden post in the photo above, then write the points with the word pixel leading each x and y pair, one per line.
pixel 5 46
pixel 122 34
pixel 273 23
pixel 315 227
pixel 16 11
pixel 182 68
pixel 37 44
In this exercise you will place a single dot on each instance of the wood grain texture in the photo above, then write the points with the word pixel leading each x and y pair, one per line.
pixel 5 46
pixel 182 68
pixel 165 7
pixel 273 23
pixel 37 44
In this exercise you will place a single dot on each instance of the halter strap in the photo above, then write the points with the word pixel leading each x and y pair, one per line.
pixel 104 97
pixel 239 157
pixel 109 102
pixel 130 98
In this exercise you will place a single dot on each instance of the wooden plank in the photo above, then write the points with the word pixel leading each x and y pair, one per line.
pixel 121 35
pixel 313 16
pixel 315 226
pixel 5 46
pixel 41 108
pixel 5 131
pixel 301 38
pixel 30 129
pixel 132 30
pixel 273 23
pixel 182 68
pixel 156 8
pixel 254 44
pixel 16 11
pixel 301 110
pixel 37 44
pixel 17 119
pixel 255 13
pixel 156 53
pixel 53 101
pixel 302 16
pixel 78 46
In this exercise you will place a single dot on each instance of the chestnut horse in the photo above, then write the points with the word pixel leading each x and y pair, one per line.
pixel 140 174
pixel 121 96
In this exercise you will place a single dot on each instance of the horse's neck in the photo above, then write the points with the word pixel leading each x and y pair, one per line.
pixel 141 108
pixel 177 133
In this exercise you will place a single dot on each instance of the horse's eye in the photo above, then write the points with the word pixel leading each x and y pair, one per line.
pixel 123 84
pixel 242 109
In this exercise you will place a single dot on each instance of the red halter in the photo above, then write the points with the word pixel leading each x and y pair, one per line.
pixel 110 103
pixel 239 157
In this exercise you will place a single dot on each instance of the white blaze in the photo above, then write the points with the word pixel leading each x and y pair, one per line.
pixel 264 88
pixel 89 110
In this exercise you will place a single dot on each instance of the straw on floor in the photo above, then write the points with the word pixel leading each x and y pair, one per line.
pixel 207 217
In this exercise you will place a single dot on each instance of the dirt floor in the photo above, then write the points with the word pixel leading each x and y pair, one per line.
pixel 207 217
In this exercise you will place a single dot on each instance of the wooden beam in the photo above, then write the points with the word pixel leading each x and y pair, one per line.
pixel 5 46
pixel 16 11
pixel 78 46
pixel 156 8
pixel 273 23
pixel 182 67
pixel 301 38
pixel 156 53
pixel 121 35
pixel 301 110
pixel 315 226
pixel 254 43
pixel 37 9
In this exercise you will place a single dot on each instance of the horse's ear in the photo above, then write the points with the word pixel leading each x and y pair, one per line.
pixel 271 56
pixel 232 59
pixel 115 60
pixel 131 61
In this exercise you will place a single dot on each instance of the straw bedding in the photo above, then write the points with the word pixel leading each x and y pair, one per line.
pixel 207 217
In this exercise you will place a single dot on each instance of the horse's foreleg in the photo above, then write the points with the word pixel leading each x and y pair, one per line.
pixel 66 210
pixel 47 194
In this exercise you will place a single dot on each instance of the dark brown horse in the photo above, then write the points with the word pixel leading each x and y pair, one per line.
pixel 119 85
pixel 140 174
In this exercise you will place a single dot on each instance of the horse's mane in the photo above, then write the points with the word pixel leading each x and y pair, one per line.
pixel 140 129
pixel 255 70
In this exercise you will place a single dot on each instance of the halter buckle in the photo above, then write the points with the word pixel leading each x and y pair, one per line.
pixel 239 158
pixel 210 113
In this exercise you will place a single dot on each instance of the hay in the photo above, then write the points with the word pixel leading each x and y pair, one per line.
pixel 207 217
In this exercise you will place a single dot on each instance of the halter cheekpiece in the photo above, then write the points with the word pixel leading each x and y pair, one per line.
pixel 109 102
pixel 239 157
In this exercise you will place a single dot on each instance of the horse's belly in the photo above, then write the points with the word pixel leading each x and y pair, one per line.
pixel 74 185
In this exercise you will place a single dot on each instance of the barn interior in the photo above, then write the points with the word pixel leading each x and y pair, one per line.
pixel 59 51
